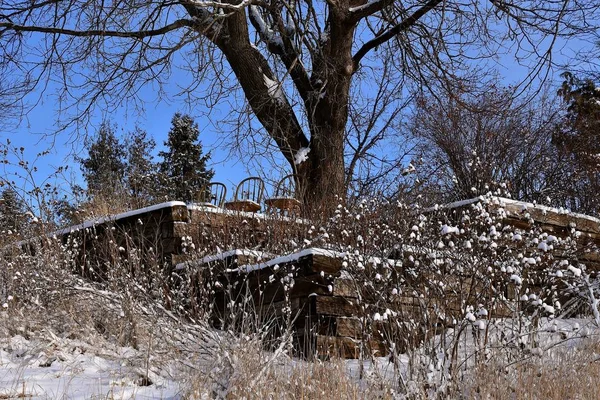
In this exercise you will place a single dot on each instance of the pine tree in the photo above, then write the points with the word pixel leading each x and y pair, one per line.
pixel 12 212
pixel 183 166
pixel 142 171
pixel 579 139
pixel 104 168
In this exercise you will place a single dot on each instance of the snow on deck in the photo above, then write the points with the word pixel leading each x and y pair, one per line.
pixel 245 214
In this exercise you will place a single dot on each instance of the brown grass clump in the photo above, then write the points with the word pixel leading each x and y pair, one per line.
pixel 566 372
pixel 250 373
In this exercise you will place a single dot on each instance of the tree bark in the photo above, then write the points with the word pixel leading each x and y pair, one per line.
pixel 325 172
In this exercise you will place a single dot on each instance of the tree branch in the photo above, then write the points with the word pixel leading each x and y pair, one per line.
pixel 262 90
pixel 4 26
pixel 357 13
pixel 281 46
pixel 392 32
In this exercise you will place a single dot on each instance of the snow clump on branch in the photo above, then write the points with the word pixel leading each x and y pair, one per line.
pixel 301 155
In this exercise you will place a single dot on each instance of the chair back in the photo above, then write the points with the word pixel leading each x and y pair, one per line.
pixel 213 194
pixel 250 189
pixel 287 187
pixel 287 199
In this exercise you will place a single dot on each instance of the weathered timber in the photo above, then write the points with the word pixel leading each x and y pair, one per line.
pixel 345 287
pixel 351 327
pixel 550 217
pixel 333 305
pixel 347 347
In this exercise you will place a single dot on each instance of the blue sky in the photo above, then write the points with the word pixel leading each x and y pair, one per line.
pixel 35 134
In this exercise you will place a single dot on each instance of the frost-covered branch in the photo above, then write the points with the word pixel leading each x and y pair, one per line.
pixel 281 45
pixel 219 4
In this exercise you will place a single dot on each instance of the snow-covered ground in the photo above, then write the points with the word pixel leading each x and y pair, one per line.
pixel 45 366
pixel 71 369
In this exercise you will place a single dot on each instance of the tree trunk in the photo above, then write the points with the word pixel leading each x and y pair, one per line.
pixel 323 173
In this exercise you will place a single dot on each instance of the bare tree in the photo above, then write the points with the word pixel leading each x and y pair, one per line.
pixel 300 64
pixel 476 144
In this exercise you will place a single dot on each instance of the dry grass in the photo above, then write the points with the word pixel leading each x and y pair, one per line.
pixel 251 373
pixel 566 372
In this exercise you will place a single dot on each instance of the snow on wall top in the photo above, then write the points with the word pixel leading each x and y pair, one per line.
pixel 289 258
pixel 260 255
pixel 523 205
pixel 222 256
pixel 116 217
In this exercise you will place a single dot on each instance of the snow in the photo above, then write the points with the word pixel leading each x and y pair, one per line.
pixel 409 169
pixel 301 155
pixel 574 270
pixel 450 229
pixel 75 371
pixel 516 279
pixel 265 32
pixel 549 309
pixel 274 89
pixel 359 8
pixel 222 256
pixel 544 246
pixel 102 220
pixel 503 201
pixel 245 201
pixel 116 217
pixel 289 259
pixel 245 214
pixel 274 262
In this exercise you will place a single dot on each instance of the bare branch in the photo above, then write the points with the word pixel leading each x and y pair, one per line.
pixel 9 26
pixel 392 32
pixel 369 8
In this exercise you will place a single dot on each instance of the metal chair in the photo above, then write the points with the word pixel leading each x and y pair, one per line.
pixel 286 197
pixel 212 195
pixel 248 195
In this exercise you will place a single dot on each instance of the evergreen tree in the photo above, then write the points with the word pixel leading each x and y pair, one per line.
pixel 12 212
pixel 183 166
pixel 104 168
pixel 142 171
pixel 579 139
